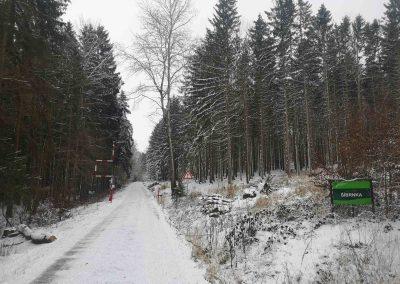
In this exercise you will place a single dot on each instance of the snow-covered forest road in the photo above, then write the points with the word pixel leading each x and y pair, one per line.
pixel 132 243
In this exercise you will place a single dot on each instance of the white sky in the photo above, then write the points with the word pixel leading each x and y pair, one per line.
pixel 120 18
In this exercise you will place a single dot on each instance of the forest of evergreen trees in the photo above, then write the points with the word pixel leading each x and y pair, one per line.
pixel 297 92
pixel 61 107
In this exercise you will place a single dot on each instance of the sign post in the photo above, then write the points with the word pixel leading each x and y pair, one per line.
pixel 107 174
pixel 358 192
pixel 188 176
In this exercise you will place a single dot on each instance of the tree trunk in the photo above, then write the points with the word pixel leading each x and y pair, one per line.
pixel 18 124
pixel 229 160
pixel 171 149
pixel 297 151
pixel 262 145
pixel 287 157
pixel 211 165
pixel 239 164
pixel 310 146
pixel 7 14
pixel 247 137
pixel 168 93
pixel 328 113
pixel 229 134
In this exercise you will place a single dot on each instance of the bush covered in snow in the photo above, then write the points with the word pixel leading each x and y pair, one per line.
pixel 287 234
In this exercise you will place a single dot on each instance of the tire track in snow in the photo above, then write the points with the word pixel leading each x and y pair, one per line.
pixel 49 275
pixel 133 244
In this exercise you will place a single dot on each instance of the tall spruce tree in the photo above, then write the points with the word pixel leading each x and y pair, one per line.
pixel 346 67
pixel 225 25
pixel 211 86
pixel 158 154
pixel 262 46
pixel 244 90
pixel 323 29
pixel 306 64
pixel 282 20
pixel 391 47
pixel 373 71
pixel 358 45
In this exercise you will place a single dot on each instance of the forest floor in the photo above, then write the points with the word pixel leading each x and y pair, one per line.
pixel 238 234
pixel 285 235
pixel 126 241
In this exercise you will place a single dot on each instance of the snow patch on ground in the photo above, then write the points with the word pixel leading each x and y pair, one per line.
pixel 28 260
pixel 286 235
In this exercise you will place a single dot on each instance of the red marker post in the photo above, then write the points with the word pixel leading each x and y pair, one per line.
pixel 112 189
pixel 109 175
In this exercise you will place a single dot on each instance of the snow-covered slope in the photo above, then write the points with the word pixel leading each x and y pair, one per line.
pixel 286 235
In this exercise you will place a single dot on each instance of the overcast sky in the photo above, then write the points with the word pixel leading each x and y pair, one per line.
pixel 120 18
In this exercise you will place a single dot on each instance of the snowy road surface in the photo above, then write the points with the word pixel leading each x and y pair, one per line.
pixel 130 243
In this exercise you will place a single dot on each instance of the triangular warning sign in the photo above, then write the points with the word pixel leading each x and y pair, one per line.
pixel 188 175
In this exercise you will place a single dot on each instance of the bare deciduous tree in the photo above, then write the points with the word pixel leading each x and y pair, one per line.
pixel 159 52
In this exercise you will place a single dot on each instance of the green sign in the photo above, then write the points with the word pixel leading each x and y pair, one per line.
pixel 352 192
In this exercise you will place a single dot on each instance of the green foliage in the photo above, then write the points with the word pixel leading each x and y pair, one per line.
pixel 60 106
pixel 298 92
pixel 158 153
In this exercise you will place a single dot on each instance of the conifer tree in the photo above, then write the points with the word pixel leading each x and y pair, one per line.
pixel 225 27
pixel 282 20
pixel 323 29
pixel 358 44
pixel 59 106
pixel 246 101
pixel 306 64
pixel 391 47
pixel 373 71
pixel 262 46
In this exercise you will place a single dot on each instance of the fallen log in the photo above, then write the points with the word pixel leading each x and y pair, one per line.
pixel 42 237
pixel 36 237
pixel 25 230
pixel 9 232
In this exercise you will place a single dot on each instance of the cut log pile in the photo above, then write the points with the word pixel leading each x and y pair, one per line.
pixel 215 205
pixel 37 237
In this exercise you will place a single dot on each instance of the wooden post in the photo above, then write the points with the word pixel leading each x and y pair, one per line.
pixel 372 196
pixel 331 194
pixel 110 175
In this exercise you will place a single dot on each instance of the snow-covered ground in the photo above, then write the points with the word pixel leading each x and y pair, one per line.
pixel 127 241
pixel 285 235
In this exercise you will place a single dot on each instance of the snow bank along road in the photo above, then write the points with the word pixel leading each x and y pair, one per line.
pixel 128 241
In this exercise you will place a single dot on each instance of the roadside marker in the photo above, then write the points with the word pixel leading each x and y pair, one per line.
pixel 107 175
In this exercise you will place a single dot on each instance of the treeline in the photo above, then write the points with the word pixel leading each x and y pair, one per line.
pixel 61 107
pixel 298 92
pixel 157 158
